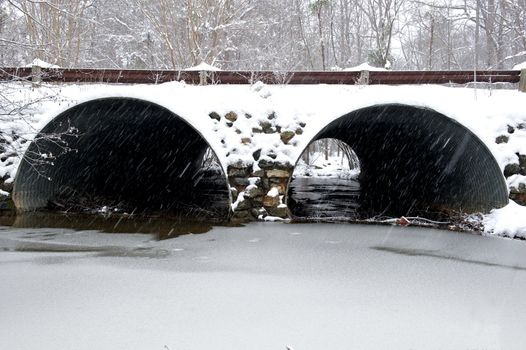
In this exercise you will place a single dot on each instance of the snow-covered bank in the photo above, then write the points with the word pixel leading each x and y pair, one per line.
pixel 303 286
pixel 509 221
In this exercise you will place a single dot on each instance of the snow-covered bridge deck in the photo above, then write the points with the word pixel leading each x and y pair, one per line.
pixel 436 145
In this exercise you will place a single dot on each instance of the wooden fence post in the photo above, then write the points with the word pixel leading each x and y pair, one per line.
pixel 364 77
pixel 522 82
pixel 202 77
pixel 36 75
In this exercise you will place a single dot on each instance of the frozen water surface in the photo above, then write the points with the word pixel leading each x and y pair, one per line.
pixel 263 286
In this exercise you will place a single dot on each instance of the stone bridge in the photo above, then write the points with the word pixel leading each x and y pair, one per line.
pixel 421 149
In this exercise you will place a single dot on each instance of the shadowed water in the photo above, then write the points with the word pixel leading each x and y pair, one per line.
pixel 324 199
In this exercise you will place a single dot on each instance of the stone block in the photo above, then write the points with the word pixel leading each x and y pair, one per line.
pixel 257 212
pixel 242 214
pixel 215 116
pixel 6 186
pixel 253 192
pixel 271 202
pixel 265 184
pixel 266 127
pixel 244 205
pixel 278 173
pixel 232 116
pixel 257 201
pixel 286 136
pixel 518 190
pixel 512 169
pixel 6 203
pixel 502 139
pixel 238 172
pixel 239 181
pixel 256 154
pixel 239 164
pixel 266 164
pixel 519 199
pixel 281 212
pixel 246 140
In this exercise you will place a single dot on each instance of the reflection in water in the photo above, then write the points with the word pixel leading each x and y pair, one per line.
pixel 323 199
pixel 161 227
pixel 195 210
pixel 207 197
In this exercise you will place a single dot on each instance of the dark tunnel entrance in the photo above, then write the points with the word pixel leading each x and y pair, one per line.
pixel 416 162
pixel 121 153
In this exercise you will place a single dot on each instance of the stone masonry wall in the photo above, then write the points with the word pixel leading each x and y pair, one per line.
pixel 518 168
pixel 259 186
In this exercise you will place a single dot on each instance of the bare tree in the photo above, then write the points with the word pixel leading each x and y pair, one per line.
pixel 263 34
pixel 55 29
pixel 382 15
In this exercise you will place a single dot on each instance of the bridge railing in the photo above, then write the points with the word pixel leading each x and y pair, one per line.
pixel 127 76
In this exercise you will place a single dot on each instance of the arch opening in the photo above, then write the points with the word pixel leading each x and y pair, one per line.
pixel 324 184
pixel 125 154
pixel 417 162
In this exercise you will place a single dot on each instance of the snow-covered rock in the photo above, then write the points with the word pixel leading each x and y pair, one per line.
pixel 363 66
pixel 42 64
pixel 509 221
pixel 202 67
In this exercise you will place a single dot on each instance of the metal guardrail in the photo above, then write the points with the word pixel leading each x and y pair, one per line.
pixel 127 76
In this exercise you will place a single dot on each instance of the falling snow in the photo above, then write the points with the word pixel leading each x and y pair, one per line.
pixel 488 113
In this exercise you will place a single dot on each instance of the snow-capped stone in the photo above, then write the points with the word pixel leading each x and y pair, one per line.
pixel 362 67
pixel 232 116
pixel 287 135
pixel 278 173
pixel 202 67
pixel 42 64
